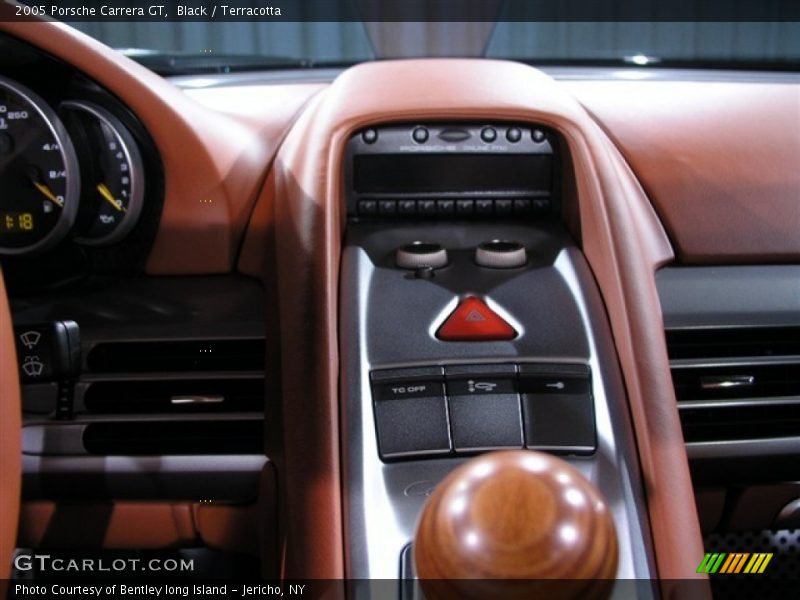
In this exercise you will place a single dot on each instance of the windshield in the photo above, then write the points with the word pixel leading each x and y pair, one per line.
pixel 198 43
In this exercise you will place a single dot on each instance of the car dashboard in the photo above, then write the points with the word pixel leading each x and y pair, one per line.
pixel 270 313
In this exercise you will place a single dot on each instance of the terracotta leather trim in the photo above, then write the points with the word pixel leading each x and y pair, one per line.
pixel 10 436
pixel 623 241
pixel 255 258
pixel 214 162
pixel 243 529
pixel 118 525
pixel 718 160
pixel 246 529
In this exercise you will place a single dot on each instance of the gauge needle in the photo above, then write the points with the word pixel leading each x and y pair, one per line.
pixel 48 194
pixel 109 197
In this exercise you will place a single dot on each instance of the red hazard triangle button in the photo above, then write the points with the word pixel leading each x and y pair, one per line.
pixel 473 321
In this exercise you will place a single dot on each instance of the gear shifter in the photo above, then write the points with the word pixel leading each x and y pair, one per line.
pixel 516 524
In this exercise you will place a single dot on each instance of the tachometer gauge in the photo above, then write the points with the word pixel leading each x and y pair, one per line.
pixel 111 173
pixel 39 181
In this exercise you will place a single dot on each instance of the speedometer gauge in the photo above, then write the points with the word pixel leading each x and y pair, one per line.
pixel 111 173
pixel 39 181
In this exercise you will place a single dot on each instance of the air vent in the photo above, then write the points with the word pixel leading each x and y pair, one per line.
pixel 705 343
pixel 175 396
pixel 174 377
pixel 738 383
pixel 164 356
pixel 148 438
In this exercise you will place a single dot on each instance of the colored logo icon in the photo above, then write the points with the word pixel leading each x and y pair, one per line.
pixel 731 563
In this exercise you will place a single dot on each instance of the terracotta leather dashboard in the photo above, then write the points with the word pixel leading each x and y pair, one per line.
pixel 622 239
pixel 717 159
pixel 720 200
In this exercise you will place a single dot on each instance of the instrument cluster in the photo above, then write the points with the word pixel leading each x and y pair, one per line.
pixel 69 170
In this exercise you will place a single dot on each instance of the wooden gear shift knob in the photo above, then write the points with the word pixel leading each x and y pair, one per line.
pixel 508 525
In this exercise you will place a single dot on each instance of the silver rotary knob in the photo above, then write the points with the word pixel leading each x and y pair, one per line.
pixel 421 254
pixel 499 254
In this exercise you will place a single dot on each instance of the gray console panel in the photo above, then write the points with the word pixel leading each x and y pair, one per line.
pixel 389 319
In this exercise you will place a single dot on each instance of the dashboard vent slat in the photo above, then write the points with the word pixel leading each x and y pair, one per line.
pixel 174 377
pixel 733 342
pixel 149 438
pixel 185 356
pixel 159 396
pixel 736 384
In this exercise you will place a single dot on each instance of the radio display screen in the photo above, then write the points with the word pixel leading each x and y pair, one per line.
pixel 410 173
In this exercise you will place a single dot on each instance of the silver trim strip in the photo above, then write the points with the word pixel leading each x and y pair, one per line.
pixel 736 402
pixel 789 446
pixel 724 383
pixel 197 399
pixel 739 361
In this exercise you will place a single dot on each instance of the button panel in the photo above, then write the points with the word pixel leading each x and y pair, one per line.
pixel 486 171
pixel 463 409
pixel 456 208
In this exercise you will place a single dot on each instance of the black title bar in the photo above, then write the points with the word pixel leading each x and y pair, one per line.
pixel 403 10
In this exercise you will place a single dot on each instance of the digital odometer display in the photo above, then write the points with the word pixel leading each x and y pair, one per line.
pixel 15 222
pixel 38 173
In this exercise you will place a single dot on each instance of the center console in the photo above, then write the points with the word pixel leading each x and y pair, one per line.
pixel 469 322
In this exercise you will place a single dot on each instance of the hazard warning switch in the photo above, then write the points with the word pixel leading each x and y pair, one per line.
pixel 474 321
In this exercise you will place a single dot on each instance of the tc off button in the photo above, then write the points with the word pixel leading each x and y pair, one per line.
pixel 410 412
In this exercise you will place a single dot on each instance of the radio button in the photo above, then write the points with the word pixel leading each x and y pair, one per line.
pixel 503 208
pixel 387 207
pixel 370 136
pixel 426 207
pixel 484 207
pixel 407 207
pixel 465 208
pixel 522 206
pixel 420 135
pixel 445 208
pixel 541 204
pixel 368 207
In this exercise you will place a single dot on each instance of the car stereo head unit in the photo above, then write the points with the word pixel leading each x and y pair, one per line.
pixel 451 171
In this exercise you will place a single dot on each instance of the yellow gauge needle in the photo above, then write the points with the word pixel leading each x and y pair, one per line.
pixel 48 194
pixel 109 197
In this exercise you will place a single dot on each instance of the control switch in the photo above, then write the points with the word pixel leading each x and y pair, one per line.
pixel 557 407
pixel 484 407
pixel 474 321
pixel 410 412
